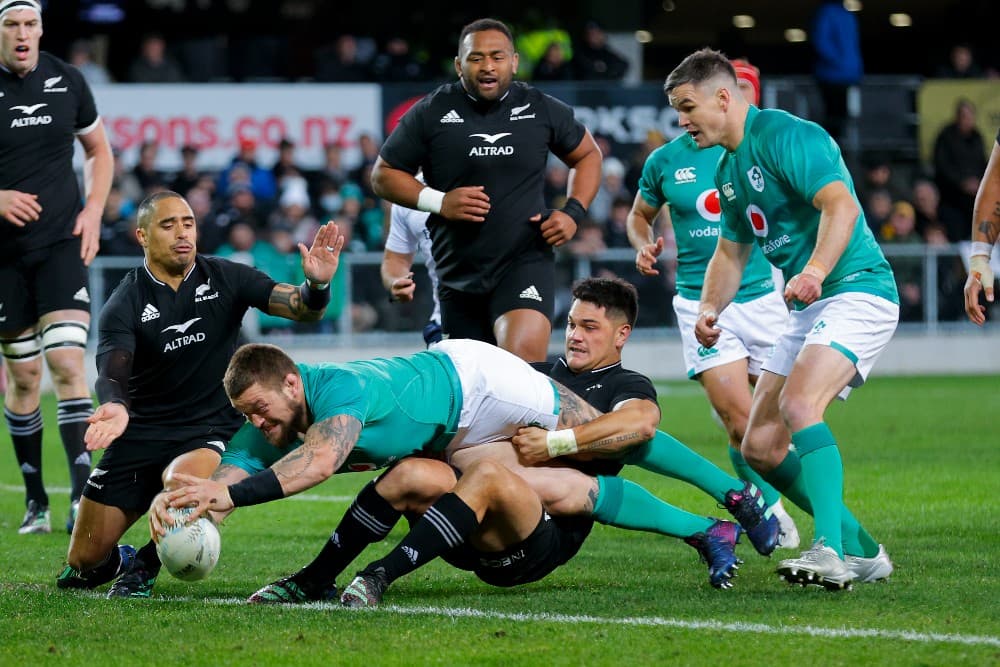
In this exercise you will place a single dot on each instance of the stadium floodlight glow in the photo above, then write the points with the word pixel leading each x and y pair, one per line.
pixel 900 20
pixel 853 5
pixel 744 21
pixel 668 5
pixel 643 36
pixel 795 35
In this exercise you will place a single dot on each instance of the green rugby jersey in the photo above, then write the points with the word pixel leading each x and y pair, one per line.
pixel 406 405
pixel 682 177
pixel 767 186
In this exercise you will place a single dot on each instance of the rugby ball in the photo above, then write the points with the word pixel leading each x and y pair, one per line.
pixel 190 549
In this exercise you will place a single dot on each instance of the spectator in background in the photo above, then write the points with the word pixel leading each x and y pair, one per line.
pixel 125 181
pixel 877 206
pixel 612 188
pixel 959 163
pixel 294 211
pixel 535 36
pixel 284 165
pixel 340 62
pixel 836 42
pixel 396 63
pixel 261 180
pixel 961 64
pixel 593 60
pixel 616 228
pixel 153 64
pixel 189 175
pixel 927 202
pixel 145 171
pixel 81 56
pixel 878 174
pixel 901 229
pixel 554 65
pixel 118 228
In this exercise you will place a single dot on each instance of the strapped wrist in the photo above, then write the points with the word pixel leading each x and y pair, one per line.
pixel 561 442
pixel 256 489
pixel 430 200
pixel 981 248
pixel 574 209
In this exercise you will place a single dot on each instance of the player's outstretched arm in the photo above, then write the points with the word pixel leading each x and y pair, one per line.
pixel 985 232
pixel 639 225
pixel 308 301
pixel 111 418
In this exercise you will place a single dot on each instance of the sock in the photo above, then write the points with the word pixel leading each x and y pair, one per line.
pixel 625 504
pixel 106 571
pixel 72 416
pixel 446 524
pixel 368 520
pixel 787 479
pixel 26 433
pixel 745 472
pixel 150 560
pixel 666 455
pixel 823 472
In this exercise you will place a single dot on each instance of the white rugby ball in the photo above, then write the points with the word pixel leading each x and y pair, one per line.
pixel 189 551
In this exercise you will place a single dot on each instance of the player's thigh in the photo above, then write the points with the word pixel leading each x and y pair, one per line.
pixel 524 332
pixel 64 341
pixel 820 373
pixel 200 462
pixel 698 358
pixel 527 284
pixel 61 280
pixel 97 530
pixel 465 315
pixel 507 506
pixel 766 436
pixel 728 390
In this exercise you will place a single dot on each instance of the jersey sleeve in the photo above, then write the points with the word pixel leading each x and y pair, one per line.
pixel 649 182
pixel 731 225
pixel 342 393
pixel 635 385
pixel 406 147
pixel 249 450
pixel 117 323
pixel 801 153
pixel 566 132
pixel 400 239
pixel 86 112
pixel 253 286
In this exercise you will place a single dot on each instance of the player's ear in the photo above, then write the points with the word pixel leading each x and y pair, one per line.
pixel 458 66
pixel 141 236
pixel 515 61
pixel 624 331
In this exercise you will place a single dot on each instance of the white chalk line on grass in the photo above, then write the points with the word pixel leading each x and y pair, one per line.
pixel 648 621
pixel 307 497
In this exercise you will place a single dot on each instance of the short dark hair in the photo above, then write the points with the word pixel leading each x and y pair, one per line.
pixel 617 297
pixel 256 363
pixel 700 66
pixel 481 25
pixel 147 209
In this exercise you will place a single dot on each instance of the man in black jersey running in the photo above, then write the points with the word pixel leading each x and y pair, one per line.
pixel 483 142
pixel 47 239
pixel 167 333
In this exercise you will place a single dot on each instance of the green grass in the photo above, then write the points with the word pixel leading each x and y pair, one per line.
pixel 921 462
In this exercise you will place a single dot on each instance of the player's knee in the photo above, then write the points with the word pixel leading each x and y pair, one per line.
pixel 25 376
pixel 413 482
pixel 798 409
pixel 63 343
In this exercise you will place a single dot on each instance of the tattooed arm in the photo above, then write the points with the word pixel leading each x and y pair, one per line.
pixel 307 302
pixel 985 232
pixel 630 423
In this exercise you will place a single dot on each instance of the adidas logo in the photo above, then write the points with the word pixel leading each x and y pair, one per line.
pixel 531 293
pixel 411 553
pixel 452 117
pixel 149 313
pixel 81 295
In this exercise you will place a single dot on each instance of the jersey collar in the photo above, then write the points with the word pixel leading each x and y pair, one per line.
pixel 562 360
pixel 160 282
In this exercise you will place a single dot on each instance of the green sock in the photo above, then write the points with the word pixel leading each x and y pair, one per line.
pixel 666 455
pixel 823 472
pixel 744 471
pixel 625 504
pixel 787 479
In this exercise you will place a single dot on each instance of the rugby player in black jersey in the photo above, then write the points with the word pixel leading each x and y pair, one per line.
pixel 49 233
pixel 483 142
pixel 166 335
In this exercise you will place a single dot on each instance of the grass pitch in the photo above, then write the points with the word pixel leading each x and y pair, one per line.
pixel 922 462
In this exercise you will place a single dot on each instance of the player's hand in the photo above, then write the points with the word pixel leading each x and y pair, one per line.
pixel 201 494
pixel 980 278
pixel 106 424
pixel 320 261
pixel 159 517
pixel 88 228
pixel 19 208
pixel 804 287
pixel 532 445
pixel 645 259
pixel 470 203
pixel 402 289
pixel 705 329
pixel 557 229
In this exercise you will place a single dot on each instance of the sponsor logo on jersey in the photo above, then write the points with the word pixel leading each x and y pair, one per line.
pixel 729 191
pixel 149 313
pixel 184 339
pixel 216 443
pixel 506 561
pixel 593 387
pixel 685 175
pixel 758 221
pixel 486 151
pixel 517 113
pixel 709 206
pixel 49 85
pixel 452 117
pixel 703 232
pixel 29 118
pixel 491 138
pixel 774 244
pixel 201 292
pixel 531 292
pixel 180 328
pixel 81 295
pixel 756 178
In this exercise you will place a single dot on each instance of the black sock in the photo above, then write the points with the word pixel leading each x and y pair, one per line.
pixel 104 572
pixel 368 520
pixel 150 561
pixel 26 432
pixel 445 525
pixel 72 416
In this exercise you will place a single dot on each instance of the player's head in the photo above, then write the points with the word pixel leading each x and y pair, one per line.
pixel 167 231
pixel 704 92
pixel 748 80
pixel 20 34
pixel 486 61
pixel 600 320
pixel 264 384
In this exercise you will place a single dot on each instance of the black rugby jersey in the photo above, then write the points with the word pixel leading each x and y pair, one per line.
pixel 503 146
pixel 40 116
pixel 181 343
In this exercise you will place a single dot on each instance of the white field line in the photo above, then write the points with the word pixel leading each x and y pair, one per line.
pixel 647 621
pixel 307 497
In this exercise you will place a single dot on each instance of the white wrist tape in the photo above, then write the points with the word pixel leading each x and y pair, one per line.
pixel 561 442
pixel 981 248
pixel 430 200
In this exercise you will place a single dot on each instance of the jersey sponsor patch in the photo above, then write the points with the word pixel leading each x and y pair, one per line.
pixel 491 138
pixel 530 292
pixel 709 207
pixel 758 221
pixel 756 178
pixel 182 327
pixel 452 117
pixel 149 313
pixel 517 113
pixel 685 175
pixel 201 292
